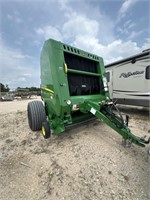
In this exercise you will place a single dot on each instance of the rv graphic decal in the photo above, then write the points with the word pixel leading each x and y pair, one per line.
pixel 128 74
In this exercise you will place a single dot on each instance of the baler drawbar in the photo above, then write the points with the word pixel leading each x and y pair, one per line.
pixel 74 89
pixel 103 112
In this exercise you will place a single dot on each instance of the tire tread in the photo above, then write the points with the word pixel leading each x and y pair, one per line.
pixel 36 115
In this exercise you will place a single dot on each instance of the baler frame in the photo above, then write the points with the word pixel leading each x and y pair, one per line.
pixel 74 88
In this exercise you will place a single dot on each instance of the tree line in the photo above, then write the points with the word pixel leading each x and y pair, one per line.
pixel 5 88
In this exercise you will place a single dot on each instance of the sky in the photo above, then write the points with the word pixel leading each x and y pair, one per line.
pixel 112 29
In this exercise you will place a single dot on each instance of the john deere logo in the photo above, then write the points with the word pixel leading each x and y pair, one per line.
pixel 128 74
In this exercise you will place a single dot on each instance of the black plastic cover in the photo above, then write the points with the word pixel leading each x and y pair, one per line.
pixel 82 84
pixel 80 63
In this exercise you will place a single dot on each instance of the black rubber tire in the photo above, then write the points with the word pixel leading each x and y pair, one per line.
pixel 36 115
pixel 46 131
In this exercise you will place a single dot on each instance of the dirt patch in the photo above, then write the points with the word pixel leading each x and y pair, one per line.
pixel 86 162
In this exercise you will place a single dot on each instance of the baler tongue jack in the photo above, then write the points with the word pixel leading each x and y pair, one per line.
pixel 104 113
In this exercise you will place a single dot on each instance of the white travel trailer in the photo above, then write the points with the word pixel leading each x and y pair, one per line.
pixel 129 80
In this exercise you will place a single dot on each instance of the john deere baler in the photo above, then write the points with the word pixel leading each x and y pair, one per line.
pixel 74 89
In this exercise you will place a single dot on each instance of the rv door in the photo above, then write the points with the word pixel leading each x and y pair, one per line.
pixel 109 77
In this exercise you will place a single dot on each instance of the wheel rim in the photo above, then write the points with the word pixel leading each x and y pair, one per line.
pixel 43 131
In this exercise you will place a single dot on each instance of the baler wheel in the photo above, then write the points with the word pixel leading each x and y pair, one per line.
pixel 36 115
pixel 46 131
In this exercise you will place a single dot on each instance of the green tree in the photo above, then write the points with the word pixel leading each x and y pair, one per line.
pixel 4 88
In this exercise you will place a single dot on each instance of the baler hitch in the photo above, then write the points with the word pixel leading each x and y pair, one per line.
pixel 103 111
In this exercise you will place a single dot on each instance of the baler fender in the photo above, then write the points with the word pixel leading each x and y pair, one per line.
pixel 104 114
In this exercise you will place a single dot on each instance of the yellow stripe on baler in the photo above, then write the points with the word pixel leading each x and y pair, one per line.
pixel 47 90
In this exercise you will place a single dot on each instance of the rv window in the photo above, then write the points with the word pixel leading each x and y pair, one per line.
pixel 108 76
pixel 147 74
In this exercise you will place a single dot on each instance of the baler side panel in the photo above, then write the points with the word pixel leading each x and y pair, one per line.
pixel 53 78
pixel 48 79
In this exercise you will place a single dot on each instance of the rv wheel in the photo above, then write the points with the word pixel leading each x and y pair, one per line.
pixel 46 131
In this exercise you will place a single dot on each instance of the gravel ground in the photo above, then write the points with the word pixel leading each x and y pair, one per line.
pixel 85 163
